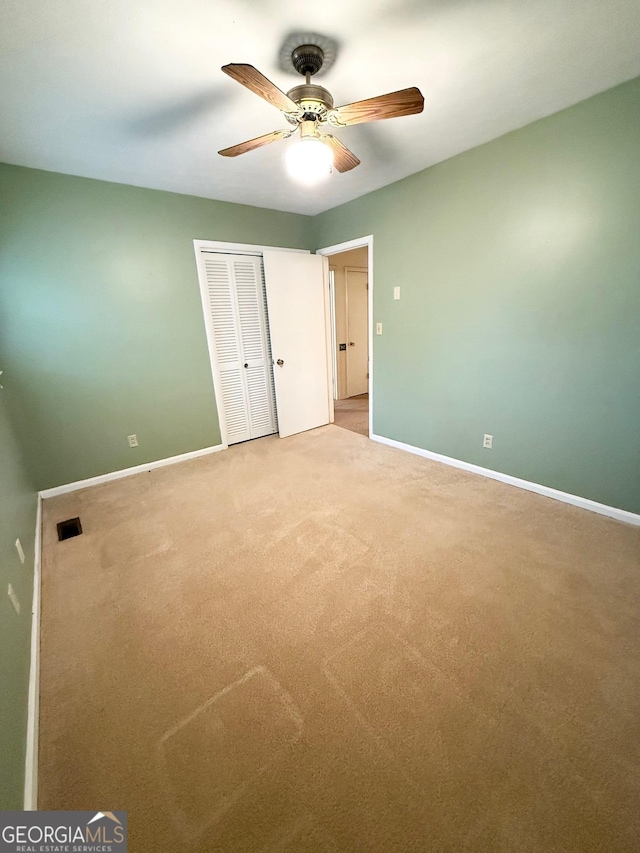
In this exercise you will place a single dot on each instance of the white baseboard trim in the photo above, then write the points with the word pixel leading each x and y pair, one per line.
pixel 33 707
pixel 546 491
pixel 128 472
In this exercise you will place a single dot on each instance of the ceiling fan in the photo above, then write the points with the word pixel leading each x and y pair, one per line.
pixel 309 108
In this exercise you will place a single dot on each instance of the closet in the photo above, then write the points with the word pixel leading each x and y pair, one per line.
pixel 266 314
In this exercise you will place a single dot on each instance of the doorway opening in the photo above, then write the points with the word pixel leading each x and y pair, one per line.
pixel 351 297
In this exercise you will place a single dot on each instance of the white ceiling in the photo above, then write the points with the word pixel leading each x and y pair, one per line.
pixel 131 90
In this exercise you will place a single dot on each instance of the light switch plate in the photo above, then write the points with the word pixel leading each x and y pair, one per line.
pixel 378 328
pixel 396 293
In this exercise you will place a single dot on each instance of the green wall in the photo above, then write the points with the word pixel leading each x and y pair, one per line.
pixel 519 268
pixel 17 521
pixel 101 323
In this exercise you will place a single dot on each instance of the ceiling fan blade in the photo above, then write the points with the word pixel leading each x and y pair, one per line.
pixel 343 159
pixel 250 77
pixel 406 102
pixel 258 142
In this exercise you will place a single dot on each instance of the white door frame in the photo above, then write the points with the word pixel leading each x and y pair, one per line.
pixel 332 331
pixel 223 248
pixel 358 243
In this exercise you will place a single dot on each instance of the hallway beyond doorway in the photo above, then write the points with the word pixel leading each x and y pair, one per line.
pixel 353 414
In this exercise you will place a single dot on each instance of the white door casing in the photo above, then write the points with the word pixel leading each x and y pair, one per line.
pixel 356 284
pixel 298 306
pixel 332 329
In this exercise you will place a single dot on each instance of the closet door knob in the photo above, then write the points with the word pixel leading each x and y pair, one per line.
pixel 352 343
pixel 246 364
pixel 280 362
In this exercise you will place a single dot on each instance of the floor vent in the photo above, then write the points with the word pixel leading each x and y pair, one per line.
pixel 67 529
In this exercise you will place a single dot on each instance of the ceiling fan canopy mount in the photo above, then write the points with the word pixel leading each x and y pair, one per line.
pixel 307 59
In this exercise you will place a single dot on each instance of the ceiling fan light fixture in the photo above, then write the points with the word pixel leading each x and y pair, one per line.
pixel 308 160
pixel 309 108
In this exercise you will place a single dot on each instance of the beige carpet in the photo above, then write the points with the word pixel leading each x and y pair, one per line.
pixel 323 644
pixel 353 414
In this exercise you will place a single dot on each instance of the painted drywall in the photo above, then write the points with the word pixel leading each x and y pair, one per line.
pixel 519 267
pixel 17 521
pixel 101 323
pixel 337 263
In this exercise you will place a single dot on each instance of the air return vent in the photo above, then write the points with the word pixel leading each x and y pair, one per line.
pixel 67 529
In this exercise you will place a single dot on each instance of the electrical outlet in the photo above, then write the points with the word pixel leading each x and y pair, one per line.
pixel 14 599
pixel 378 328
pixel 133 440
pixel 20 550
pixel 488 441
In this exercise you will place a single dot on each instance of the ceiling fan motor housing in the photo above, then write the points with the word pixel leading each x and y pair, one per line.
pixel 314 100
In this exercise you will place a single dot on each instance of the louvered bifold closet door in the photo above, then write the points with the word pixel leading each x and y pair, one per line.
pixel 237 305
pixel 250 292
pixel 224 317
